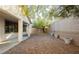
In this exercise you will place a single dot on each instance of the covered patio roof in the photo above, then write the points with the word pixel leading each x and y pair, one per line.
pixel 7 15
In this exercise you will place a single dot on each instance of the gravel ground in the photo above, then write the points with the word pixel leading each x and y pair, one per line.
pixel 43 44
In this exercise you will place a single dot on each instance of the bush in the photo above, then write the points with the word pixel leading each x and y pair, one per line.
pixel 41 24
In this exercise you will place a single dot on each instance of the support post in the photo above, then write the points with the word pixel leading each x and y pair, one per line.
pixel 20 30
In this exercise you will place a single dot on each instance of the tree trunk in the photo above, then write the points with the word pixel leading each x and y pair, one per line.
pixel 29 19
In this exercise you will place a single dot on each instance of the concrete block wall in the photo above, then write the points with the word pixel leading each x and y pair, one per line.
pixel 67 24
pixel 68 27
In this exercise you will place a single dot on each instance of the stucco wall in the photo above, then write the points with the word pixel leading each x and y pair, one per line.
pixel 68 25
pixel 2 29
pixel 3 35
pixel 68 28
pixel 14 10
pixel 16 15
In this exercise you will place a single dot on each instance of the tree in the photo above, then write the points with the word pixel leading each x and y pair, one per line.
pixel 39 11
pixel 42 24
pixel 53 13
pixel 35 12
pixel 69 10
pixel 26 12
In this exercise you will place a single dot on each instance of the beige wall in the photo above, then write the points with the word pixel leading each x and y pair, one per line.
pixel 2 29
pixel 12 13
pixel 68 24
pixel 3 35
pixel 14 10
pixel 68 27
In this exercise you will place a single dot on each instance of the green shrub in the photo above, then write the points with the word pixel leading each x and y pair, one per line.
pixel 41 24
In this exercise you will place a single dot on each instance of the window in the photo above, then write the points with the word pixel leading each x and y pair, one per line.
pixel 24 28
pixel 11 26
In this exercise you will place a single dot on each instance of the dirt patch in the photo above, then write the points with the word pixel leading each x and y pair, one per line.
pixel 43 44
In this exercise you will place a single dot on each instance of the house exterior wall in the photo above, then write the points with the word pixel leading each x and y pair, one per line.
pixel 1 29
pixel 3 35
pixel 14 11
pixel 68 27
